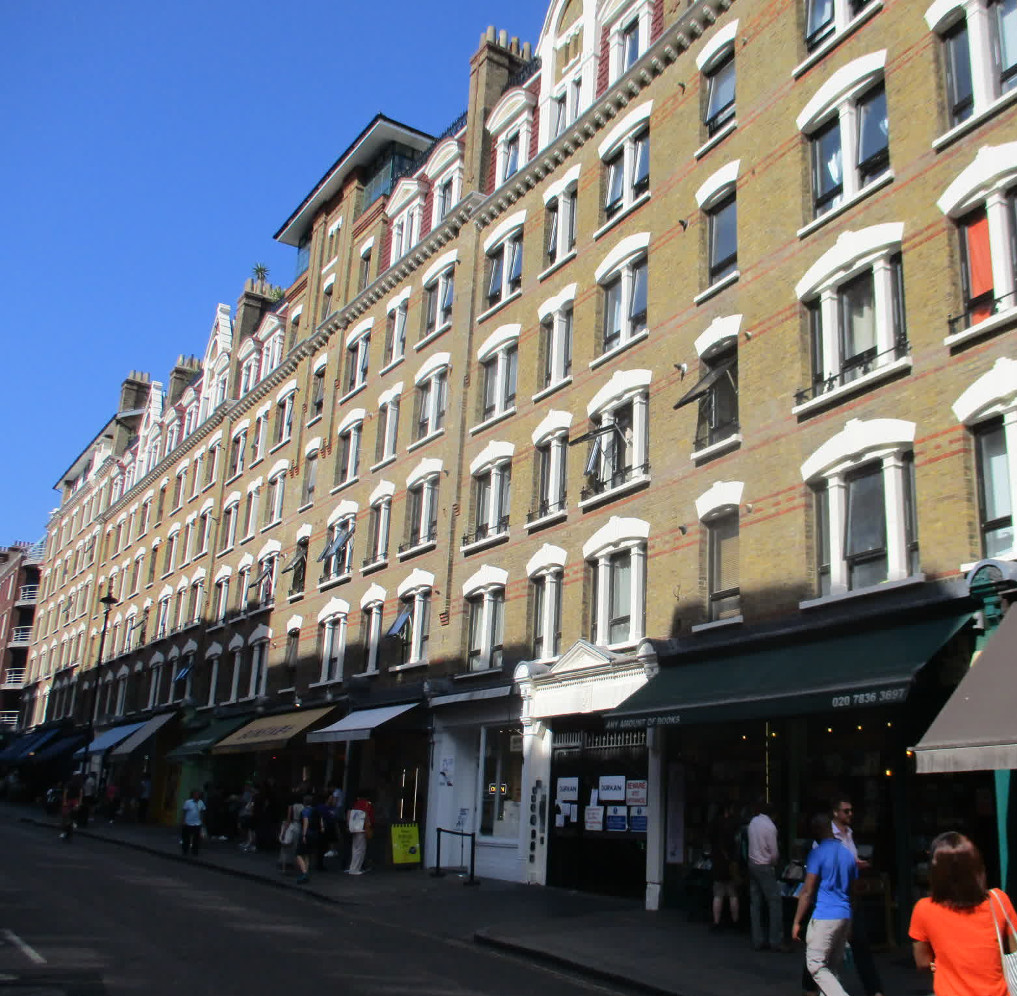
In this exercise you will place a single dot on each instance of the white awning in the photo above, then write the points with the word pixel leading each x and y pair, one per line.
pixel 475 695
pixel 358 725
pixel 139 737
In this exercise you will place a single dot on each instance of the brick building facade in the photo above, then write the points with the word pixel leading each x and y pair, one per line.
pixel 688 342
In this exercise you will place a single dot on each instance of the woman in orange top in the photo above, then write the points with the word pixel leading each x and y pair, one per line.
pixel 953 929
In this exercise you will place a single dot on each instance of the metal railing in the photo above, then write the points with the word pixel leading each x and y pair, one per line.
pixel 377 557
pixel 858 366
pixel 431 536
pixel 525 72
pixel 9 718
pixel 14 677
pixel 437 870
pixel 979 310
pixel 21 634
pixel 487 530
pixel 28 593
pixel 710 435
pixel 547 507
pixel 608 483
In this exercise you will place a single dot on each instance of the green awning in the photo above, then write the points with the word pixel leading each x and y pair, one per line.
pixel 201 743
pixel 854 670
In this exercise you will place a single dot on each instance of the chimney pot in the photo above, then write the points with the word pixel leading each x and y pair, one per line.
pixel 503 38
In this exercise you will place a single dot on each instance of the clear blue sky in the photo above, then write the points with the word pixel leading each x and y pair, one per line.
pixel 150 151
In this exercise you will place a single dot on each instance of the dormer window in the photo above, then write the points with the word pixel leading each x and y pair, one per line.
pixel 510 125
pixel 629 37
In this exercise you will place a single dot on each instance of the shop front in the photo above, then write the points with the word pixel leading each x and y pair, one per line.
pixel 476 781
pixel 586 790
pixel 798 722
pixel 139 756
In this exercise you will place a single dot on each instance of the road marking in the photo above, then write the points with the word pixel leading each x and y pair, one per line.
pixel 24 947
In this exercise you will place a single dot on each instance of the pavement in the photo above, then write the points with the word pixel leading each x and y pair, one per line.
pixel 614 941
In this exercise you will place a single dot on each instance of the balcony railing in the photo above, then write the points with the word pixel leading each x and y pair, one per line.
pixel 622 476
pixel 547 507
pixel 14 677
pixel 9 718
pixel 858 366
pixel 431 536
pixel 28 593
pixel 710 435
pixel 375 557
pixel 979 310
pixel 21 636
pixel 487 530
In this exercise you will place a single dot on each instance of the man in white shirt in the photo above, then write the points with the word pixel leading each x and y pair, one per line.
pixel 763 888
pixel 193 820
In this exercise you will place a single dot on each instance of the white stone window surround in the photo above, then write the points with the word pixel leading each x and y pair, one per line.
pixel 445 166
pixel 496 349
pixel 365 247
pixel 838 97
pixel 494 460
pixel 438 365
pixel 710 196
pixel 372 602
pixel 719 499
pixel 621 140
pixel 334 622
pixel 381 500
pixel 618 16
pixel 405 210
pixel 555 310
pixel 844 24
pixel 987 181
pixel 485 583
pixel 511 120
pixel 350 437
pixel 552 432
pixel 852 254
pixel 617 535
pixel 548 563
pixel 358 343
pixel 398 310
pixel 622 262
pixel 987 97
pixel 562 197
pixel 624 386
pixel 885 441
pixel 712 56
pixel 312 447
pixel 425 478
pixel 503 248
pixel 414 591
pixel 388 422
pixel 438 284
pixel 994 395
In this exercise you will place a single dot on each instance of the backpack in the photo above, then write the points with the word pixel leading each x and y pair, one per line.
pixel 356 821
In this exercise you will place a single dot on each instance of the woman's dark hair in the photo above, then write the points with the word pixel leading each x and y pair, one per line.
pixel 957 872
pixel 820 826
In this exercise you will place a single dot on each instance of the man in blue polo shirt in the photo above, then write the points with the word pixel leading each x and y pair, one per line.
pixel 830 872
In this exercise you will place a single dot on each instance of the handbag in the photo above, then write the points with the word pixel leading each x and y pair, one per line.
pixel 288 835
pixel 1009 960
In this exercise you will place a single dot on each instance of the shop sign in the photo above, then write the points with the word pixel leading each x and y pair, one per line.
pixel 593 817
pixel 638 819
pixel 612 788
pixel 617 818
pixel 405 843
pixel 567 790
pixel 635 792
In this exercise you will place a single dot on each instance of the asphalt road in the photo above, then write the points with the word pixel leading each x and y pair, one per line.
pixel 160 928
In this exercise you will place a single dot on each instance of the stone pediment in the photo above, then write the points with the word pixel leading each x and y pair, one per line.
pixel 582 658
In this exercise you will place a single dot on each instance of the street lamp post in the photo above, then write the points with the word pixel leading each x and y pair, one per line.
pixel 107 602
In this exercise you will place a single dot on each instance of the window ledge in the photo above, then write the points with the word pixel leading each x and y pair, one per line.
pixel 557 265
pixel 623 489
pixel 314 421
pixel 254 463
pixel 718 624
pixel 366 674
pixel 305 507
pixel 247 538
pixel 412 665
pixel 621 215
pixel 716 288
pixel 278 446
pixel 325 684
pixel 334 582
pixel 230 480
pixel 831 43
pixel 224 551
pixel 709 452
pixel 209 484
pixel 845 390
pixel 383 463
pixel 425 440
pixel 859 195
pixel 494 420
pixel 391 365
pixel 344 484
pixel 951 136
pixel 414 551
pixel 431 336
pixel 989 324
pixel 376 566
pixel 872 589
pixel 611 354
pixel 270 525
pixel 352 393
pixel 547 520
pixel 714 140
pixel 550 389
pixel 294 596
pixel 495 308
pixel 478 673
pixel 509 843
pixel 483 544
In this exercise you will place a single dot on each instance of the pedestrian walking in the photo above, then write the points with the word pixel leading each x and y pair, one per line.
pixel 305 843
pixel 246 819
pixel 724 858
pixel 360 823
pixel 112 800
pixel 289 834
pixel 337 803
pixel 89 792
pixel 961 929
pixel 830 873
pixel 764 890
pixel 192 824
pixel 144 795
pixel 69 806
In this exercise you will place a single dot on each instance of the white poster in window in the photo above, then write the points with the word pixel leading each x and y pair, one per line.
pixel 567 790
pixel 635 792
pixel 617 817
pixel 612 788
pixel 593 817
pixel 638 819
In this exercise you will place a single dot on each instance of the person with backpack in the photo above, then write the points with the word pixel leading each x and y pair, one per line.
pixel 360 823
